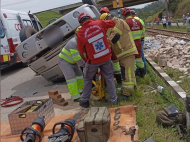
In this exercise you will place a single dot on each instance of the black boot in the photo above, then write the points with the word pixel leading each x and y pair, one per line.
pixel 118 78
pixel 142 72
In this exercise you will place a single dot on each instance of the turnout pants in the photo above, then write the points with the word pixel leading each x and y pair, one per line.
pixel 130 80
pixel 108 73
pixel 74 77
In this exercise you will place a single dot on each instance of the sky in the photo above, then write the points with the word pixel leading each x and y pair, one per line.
pixel 40 5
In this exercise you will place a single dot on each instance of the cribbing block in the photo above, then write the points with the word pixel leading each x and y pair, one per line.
pixel 52 92
pixel 58 100
pixel 57 96
pixel 61 103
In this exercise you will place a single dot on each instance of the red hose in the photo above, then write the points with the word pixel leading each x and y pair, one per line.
pixel 11 99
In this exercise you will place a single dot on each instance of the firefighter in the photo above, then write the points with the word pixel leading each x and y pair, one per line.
pixel 133 14
pixel 104 10
pixel 124 49
pixel 69 61
pixel 92 40
pixel 137 32
pixel 116 65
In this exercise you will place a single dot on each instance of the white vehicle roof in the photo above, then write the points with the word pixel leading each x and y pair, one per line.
pixel 12 11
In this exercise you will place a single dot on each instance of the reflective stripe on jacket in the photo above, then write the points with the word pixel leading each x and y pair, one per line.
pixel 71 54
pixel 142 22
pixel 125 46
pixel 136 27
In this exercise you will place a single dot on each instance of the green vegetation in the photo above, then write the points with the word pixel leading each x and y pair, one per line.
pixel 150 9
pixel 158 14
pixel 173 28
pixel 44 17
pixel 175 74
pixel 148 104
pixel 182 8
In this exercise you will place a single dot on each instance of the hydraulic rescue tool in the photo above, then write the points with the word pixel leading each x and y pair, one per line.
pixel 33 131
pixel 65 133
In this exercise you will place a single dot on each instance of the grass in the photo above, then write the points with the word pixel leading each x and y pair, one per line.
pixel 173 28
pixel 148 104
pixel 44 17
pixel 175 74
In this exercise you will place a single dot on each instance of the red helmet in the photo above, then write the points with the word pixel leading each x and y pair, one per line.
pixel 125 10
pixel 105 10
pixel 83 16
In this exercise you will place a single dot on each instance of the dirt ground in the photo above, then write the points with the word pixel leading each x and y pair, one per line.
pixel 19 81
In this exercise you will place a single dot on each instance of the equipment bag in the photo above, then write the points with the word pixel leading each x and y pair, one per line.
pixel 165 118
pixel 95 125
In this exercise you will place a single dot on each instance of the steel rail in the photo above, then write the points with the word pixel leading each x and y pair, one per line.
pixel 183 35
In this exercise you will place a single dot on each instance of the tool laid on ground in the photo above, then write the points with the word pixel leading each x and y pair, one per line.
pixel 65 133
pixel 8 101
pixel 100 85
pixel 131 131
pixel 33 131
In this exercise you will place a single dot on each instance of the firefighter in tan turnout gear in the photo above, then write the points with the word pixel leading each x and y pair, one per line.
pixel 124 49
pixel 69 61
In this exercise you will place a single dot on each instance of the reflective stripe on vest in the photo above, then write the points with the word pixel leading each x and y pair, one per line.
pixel 117 30
pixel 137 34
pixel 75 54
pixel 66 55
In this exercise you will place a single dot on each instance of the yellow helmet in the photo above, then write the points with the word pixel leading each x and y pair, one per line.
pixel 78 28
pixel 104 15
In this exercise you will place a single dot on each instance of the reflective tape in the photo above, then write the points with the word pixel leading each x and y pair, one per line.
pixel 67 56
pixel 71 81
pixel 129 74
pixel 75 54
pixel 80 90
pixel 128 83
pixel 75 96
pixel 117 30
pixel 119 44
pixel 95 38
pixel 101 53
pixel 79 77
pixel 126 52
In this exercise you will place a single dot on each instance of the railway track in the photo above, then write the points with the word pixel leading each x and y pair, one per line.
pixel 183 35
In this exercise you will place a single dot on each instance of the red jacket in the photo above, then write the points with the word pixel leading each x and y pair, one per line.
pixel 135 25
pixel 92 40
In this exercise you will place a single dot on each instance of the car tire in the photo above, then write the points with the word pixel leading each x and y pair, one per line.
pixel 26 33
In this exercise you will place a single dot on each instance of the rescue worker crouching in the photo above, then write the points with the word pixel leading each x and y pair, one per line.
pixel 122 43
pixel 69 61
pixel 137 32
pixel 92 40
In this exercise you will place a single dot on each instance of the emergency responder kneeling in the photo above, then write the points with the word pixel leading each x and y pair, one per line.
pixel 69 61
pixel 137 32
pixel 92 40
pixel 122 43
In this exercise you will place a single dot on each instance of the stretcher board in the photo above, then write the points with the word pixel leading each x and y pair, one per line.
pixel 121 117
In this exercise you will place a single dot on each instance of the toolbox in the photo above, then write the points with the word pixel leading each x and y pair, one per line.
pixel 24 115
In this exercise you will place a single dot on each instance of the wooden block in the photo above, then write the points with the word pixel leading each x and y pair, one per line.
pixel 57 96
pixel 58 100
pixel 52 92
pixel 61 103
